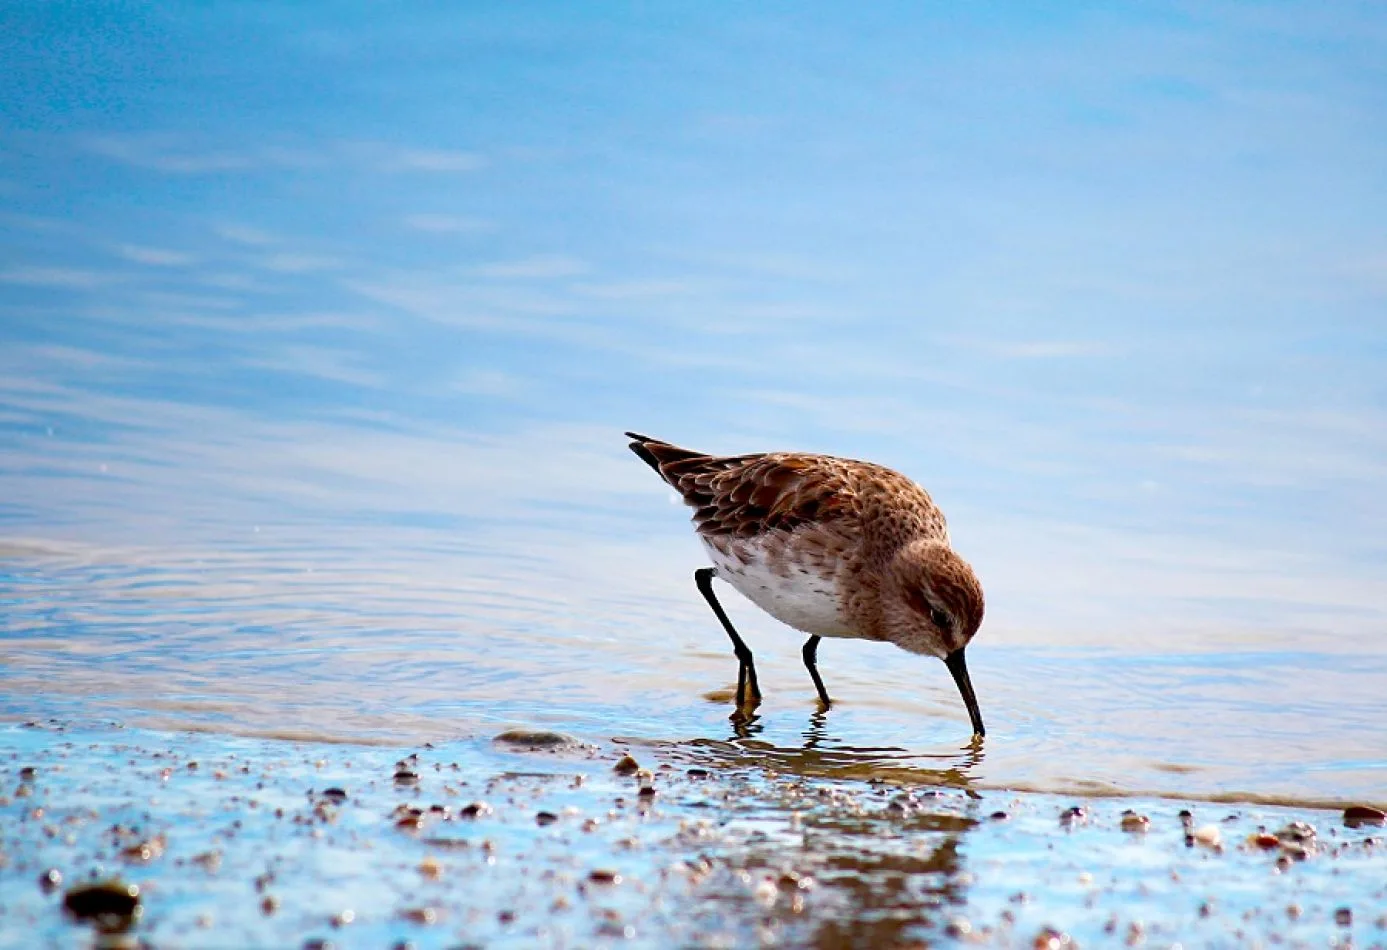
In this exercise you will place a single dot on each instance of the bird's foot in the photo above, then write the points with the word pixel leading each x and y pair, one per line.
pixel 746 707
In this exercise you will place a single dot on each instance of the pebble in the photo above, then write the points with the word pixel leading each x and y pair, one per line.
pixel 535 740
pixel 626 765
pixel 1344 917
pixel 959 927
pixel 1051 939
pixel 546 818
pixel 142 851
pixel 335 795
pixel 1208 836
pixel 1135 823
pixel 1356 816
pixel 1295 850
pixel 406 777
pixel 110 905
pixel 420 915
pixel 1297 831
pixel 604 876
pixel 50 880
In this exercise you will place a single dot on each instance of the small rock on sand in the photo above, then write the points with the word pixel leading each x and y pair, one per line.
pixel 535 740
pixel 420 915
pixel 1356 816
pixel 1297 832
pixel 111 905
pixel 1135 823
pixel 1208 836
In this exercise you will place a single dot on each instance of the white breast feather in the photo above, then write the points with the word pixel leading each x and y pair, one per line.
pixel 807 602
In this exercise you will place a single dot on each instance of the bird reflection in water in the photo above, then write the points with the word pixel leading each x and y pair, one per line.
pixel 887 844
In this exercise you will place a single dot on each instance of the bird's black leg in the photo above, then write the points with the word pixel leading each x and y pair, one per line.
pixel 811 662
pixel 746 675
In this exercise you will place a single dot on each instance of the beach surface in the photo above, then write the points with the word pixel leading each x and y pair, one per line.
pixel 539 839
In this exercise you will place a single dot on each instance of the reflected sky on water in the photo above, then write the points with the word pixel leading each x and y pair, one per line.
pixel 319 328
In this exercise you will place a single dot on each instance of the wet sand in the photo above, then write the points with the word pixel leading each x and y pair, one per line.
pixel 535 839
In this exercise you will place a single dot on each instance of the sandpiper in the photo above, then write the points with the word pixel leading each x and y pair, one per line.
pixel 832 547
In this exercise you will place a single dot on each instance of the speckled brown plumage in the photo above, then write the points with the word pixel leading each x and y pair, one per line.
pixel 832 546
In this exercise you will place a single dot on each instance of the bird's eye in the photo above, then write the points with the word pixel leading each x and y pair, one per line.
pixel 940 618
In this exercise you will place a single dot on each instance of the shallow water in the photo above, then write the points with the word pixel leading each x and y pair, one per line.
pixel 416 639
pixel 310 404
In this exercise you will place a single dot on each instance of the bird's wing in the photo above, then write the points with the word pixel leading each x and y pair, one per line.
pixel 743 496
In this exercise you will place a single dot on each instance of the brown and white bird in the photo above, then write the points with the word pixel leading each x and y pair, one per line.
pixel 832 547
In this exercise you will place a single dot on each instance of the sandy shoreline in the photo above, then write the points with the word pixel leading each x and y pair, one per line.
pixel 249 842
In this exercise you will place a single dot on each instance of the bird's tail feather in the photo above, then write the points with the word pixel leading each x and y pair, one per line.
pixel 657 454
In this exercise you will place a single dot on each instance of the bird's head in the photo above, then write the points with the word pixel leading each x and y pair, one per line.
pixel 933 604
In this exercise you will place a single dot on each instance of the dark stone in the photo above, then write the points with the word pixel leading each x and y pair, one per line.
pixel 110 905
pixel 1356 816
pixel 535 740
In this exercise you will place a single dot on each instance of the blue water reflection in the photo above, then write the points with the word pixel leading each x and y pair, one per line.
pixel 318 333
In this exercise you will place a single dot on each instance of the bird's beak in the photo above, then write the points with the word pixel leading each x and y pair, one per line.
pixel 954 661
